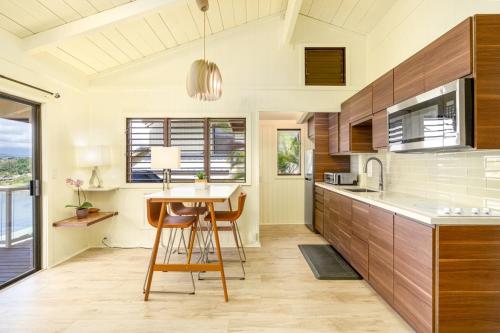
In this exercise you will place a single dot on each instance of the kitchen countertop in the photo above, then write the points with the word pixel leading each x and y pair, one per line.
pixel 418 208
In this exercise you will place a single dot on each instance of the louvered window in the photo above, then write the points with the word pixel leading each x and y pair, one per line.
pixel 142 134
pixel 325 66
pixel 227 150
pixel 216 147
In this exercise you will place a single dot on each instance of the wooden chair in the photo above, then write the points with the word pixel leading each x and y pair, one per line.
pixel 173 223
pixel 231 217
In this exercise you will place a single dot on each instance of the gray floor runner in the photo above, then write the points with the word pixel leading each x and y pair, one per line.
pixel 327 264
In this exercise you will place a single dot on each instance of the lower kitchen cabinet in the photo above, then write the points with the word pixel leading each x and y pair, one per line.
pixel 414 273
pixel 359 256
pixel 319 208
pixel 381 254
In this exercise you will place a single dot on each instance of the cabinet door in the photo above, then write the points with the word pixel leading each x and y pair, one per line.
pixel 450 56
pixel 381 252
pixel 383 92
pixel 359 255
pixel 344 128
pixel 414 272
pixel 333 133
pixel 319 208
pixel 379 130
pixel 331 218
pixel 310 128
pixel 361 104
pixel 345 225
pixel 360 220
pixel 409 77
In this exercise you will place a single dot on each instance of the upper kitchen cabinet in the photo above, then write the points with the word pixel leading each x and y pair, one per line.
pixel 409 79
pixel 450 56
pixel 345 128
pixel 333 133
pixel 361 104
pixel 383 92
pixel 379 130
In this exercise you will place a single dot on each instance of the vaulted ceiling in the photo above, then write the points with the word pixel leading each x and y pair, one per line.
pixel 96 35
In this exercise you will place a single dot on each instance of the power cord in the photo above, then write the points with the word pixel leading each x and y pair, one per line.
pixel 121 247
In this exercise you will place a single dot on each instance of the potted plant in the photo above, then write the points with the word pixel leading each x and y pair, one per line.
pixel 82 209
pixel 201 180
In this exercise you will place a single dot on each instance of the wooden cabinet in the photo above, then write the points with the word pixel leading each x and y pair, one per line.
pixel 383 92
pixel 344 226
pixel 409 78
pixel 331 218
pixel 414 273
pixel 450 56
pixel 344 128
pixel 361 104
pixel 319 209
pixel 379 130
pixel 381 254
pixel 359 256
pixel 310 128
pixel 333 133
pixel 360 220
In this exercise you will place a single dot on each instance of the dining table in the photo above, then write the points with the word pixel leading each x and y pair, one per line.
pixel 208 194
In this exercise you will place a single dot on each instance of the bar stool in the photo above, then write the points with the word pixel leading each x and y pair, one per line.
pixel 231 217
pixel 172 223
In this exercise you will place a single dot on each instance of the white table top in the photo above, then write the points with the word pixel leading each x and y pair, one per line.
pixel 212 192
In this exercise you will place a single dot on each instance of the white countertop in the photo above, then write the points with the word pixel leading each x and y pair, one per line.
pixel 418 208
pixel 196 191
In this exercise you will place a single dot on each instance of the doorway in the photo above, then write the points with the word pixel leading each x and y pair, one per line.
pixel 20 218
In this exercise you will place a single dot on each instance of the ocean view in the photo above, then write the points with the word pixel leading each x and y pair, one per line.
pixel 22 213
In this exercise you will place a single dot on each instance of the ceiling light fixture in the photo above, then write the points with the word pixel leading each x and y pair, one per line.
pixel 204 81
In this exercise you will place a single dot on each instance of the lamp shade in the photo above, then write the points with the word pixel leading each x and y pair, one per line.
pixel 91 156
pixel 165 158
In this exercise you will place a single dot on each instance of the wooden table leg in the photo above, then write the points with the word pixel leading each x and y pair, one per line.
pixel 217 249
pixel 154 252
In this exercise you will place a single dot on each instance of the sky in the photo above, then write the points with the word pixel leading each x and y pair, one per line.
pixel 15 138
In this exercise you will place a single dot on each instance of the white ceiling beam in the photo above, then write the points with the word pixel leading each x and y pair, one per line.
pixel 42 40
pixel 291 15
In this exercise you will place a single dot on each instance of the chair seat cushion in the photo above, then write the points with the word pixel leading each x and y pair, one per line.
pixel 191 211
pixel 223 216
pixel 178 221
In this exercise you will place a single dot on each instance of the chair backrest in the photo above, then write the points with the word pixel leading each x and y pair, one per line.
pixel 153 212
pixel 241 204
pixel 176 206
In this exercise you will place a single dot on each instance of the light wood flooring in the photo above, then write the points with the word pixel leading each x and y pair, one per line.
pixel 101 291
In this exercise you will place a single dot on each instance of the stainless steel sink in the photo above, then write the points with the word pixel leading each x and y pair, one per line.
pixel 360 190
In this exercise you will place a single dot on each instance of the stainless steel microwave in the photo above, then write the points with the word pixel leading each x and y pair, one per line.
pixel 439 119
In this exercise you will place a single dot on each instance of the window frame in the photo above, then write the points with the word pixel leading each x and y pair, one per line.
pixel 166 120
pixel 300 152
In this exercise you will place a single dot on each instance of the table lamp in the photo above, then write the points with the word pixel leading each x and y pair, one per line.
pixel 93 157
pixel 165 158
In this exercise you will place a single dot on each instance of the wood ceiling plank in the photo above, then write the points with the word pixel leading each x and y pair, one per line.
pixel 306 6
pixel 325 10
pixel 121 42
pixel 23 13
pixel 71 60
pixel 197 16
pixel 252 10
pixel 264 8
pixel 175 26
pixel 214 17
pixel 62 9
pixel 240 11
pixel 101 5
pixel 79 48
pixel 83 7
pixel 162 31
pixel 344 11
pixel 141 36
pixel 227 13
pixel 374 14
pixel 358 14
pixel 109 47
pixel 14 28
pixel 184 17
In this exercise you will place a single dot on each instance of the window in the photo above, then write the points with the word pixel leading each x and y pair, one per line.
pixel 214 146
pixel 325 66
pixel 288 158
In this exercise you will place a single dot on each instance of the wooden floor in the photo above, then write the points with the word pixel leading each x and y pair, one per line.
pixel 101 291
pixel 15 261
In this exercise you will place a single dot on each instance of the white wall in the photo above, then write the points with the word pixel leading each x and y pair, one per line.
pixel 259 75
pixel 64 123
pixel 281 197
pixel 412 24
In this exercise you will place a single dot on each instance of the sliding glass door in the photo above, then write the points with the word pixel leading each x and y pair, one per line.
pixel 20 234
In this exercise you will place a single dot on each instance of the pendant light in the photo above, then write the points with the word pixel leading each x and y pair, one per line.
pixel 204 81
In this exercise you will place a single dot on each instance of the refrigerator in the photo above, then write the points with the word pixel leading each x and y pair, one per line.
pixel 309 189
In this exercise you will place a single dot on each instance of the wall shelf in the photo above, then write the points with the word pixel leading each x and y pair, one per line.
pixel 93 218
pixel 100 189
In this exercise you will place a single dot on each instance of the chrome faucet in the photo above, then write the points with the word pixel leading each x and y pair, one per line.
pixel 381 179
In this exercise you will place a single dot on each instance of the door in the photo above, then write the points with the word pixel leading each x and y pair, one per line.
pixel 19 191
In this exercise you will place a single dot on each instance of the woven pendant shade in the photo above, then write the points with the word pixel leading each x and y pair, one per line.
pixel 204 81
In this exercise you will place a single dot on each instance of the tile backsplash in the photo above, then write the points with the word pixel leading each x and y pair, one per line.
pixel 471 177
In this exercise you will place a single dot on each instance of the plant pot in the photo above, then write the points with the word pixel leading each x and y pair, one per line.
pixel 82 213
pixel 201 183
